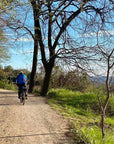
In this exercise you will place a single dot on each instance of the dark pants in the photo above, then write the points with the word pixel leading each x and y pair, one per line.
pixel 20 87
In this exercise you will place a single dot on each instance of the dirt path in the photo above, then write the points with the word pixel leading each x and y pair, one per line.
pixel 33 123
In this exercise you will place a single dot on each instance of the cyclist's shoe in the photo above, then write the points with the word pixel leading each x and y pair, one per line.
pixel 18 97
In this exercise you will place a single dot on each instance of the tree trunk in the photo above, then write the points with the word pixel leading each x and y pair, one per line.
pixel 46 81
pixel 34 67
pixel 102 123
pixel 35 55
pixel 48 70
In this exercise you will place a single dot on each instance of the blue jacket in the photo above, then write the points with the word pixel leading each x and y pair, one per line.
pixel 21 79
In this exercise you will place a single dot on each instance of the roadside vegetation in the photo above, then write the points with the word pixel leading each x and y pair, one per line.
pixel 83 111
pixel 8 76
pixel 6 84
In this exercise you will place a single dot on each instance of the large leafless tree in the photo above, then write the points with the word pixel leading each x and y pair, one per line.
pixel 59 31
pixel 55 22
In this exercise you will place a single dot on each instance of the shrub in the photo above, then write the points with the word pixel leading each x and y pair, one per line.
pixel 5 84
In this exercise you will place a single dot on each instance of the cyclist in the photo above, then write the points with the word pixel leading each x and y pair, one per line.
pixel 21 81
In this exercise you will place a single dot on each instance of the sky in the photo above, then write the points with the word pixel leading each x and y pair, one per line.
pixel 20 45
pixel 21 50
pixel 21 54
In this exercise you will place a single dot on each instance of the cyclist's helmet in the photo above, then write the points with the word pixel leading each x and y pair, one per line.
pixel 21 72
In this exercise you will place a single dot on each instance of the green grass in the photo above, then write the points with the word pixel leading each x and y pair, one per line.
pixel 94 136
pixel 82 109
pixel 109 121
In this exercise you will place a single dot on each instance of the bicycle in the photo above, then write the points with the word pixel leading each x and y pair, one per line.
pixel 22 94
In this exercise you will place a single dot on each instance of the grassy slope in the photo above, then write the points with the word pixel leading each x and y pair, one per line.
pixel 82 109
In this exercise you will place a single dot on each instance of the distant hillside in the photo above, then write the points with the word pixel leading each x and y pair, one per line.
pixel 101 79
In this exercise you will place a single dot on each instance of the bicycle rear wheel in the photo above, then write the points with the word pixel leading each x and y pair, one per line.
pixel 23 97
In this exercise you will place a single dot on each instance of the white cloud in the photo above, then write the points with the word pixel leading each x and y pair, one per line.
pixel 24 39
pixel 21 39
pixel 100 33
